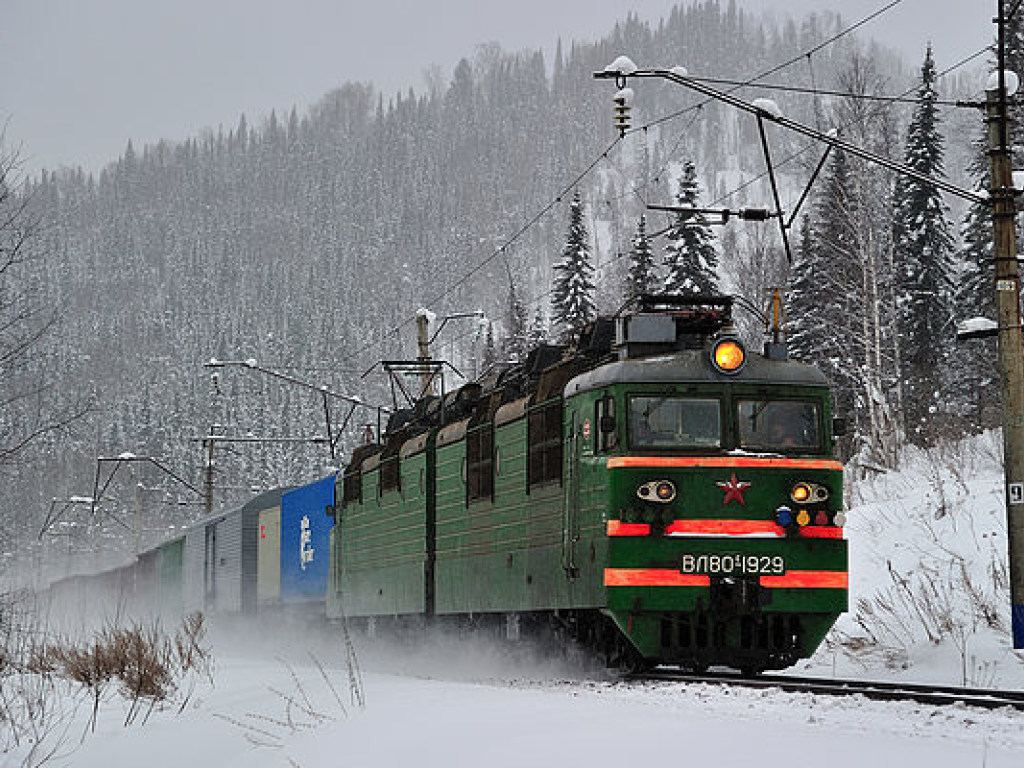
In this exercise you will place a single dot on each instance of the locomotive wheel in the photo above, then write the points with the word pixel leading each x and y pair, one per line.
pixel 624 659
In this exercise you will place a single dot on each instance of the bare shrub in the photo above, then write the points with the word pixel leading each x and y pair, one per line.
pixel 35 713
pixel 300 707
pixel 928 603
pixel 148 666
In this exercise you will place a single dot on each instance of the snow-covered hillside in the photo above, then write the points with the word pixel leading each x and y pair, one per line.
pixel 929 591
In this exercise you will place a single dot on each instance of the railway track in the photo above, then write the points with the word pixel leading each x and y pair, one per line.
pixel 879 691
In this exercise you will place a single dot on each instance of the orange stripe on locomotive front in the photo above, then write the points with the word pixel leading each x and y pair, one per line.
pixel 666 577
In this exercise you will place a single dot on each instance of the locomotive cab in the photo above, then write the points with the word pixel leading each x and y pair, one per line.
pixel 723 502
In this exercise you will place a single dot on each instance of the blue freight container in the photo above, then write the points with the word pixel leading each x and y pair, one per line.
pixel 305 541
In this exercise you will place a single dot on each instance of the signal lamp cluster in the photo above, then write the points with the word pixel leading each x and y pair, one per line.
pixel 661 491
pixel 808 493
pixel 786 517
pixel 803 495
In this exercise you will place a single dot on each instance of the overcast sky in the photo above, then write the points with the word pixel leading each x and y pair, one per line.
pixel 78 78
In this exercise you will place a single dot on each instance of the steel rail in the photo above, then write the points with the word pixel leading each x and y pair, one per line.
pixel 877 690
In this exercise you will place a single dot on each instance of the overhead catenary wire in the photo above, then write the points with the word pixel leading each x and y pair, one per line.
pixel 960 63
pixel 815 91
pixel 519 233
pixel 779 67
pixel 755 82
pixel 811 145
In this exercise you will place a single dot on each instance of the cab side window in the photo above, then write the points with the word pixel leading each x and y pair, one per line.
pixel 607 436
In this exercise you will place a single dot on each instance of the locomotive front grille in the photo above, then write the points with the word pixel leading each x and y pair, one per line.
pixel 702 631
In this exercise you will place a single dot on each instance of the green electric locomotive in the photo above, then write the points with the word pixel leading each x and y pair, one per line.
pixel 655 491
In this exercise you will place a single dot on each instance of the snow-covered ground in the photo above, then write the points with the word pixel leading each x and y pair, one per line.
pixel 501 720
pixel 929 603
pixel 929 583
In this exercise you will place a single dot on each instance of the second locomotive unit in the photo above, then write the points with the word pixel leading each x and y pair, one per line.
pixel 654 491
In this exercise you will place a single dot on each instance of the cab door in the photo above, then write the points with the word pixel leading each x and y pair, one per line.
pixel 571 507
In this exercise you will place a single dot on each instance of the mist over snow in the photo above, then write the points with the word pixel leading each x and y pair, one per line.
pixel 925 542
pixel 311 237
pixel 451 701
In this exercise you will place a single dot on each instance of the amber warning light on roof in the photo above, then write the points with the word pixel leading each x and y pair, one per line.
pixel 728 355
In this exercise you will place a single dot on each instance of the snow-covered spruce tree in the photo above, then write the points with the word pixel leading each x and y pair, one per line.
pixel 1015 63
pixel 538 331
pixel 973 365
pixel 641 276
pixel 517 343
pixel 573 297
pixel 922 250
pixel 690 254
pixel 852 225
pixel 819 306
pixel 805 303
pixel 490 353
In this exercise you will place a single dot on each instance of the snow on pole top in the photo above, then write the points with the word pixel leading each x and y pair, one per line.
pixel 213 362
pixel 126 456
pixel 622 65
pixel 767 107
pixel 251 362
pixel 680 71
pixel 1012 82
pixel 976 326
pixel 424 312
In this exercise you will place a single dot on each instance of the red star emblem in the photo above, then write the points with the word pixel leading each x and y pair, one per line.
pixel 733 490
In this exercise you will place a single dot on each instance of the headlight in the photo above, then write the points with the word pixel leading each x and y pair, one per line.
pixel 808 493
pixel 728 355
pixel 662 491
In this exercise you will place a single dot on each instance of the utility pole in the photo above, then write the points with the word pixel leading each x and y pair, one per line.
pixel 1011 343
pixel 428 368
pixel 208 479
pixel 139 489
pixel 423 343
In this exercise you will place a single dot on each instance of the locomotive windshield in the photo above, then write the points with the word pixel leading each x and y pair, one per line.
pixel 674 422
pixel 778 424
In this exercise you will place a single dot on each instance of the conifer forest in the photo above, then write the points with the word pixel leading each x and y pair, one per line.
pixel 309 240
